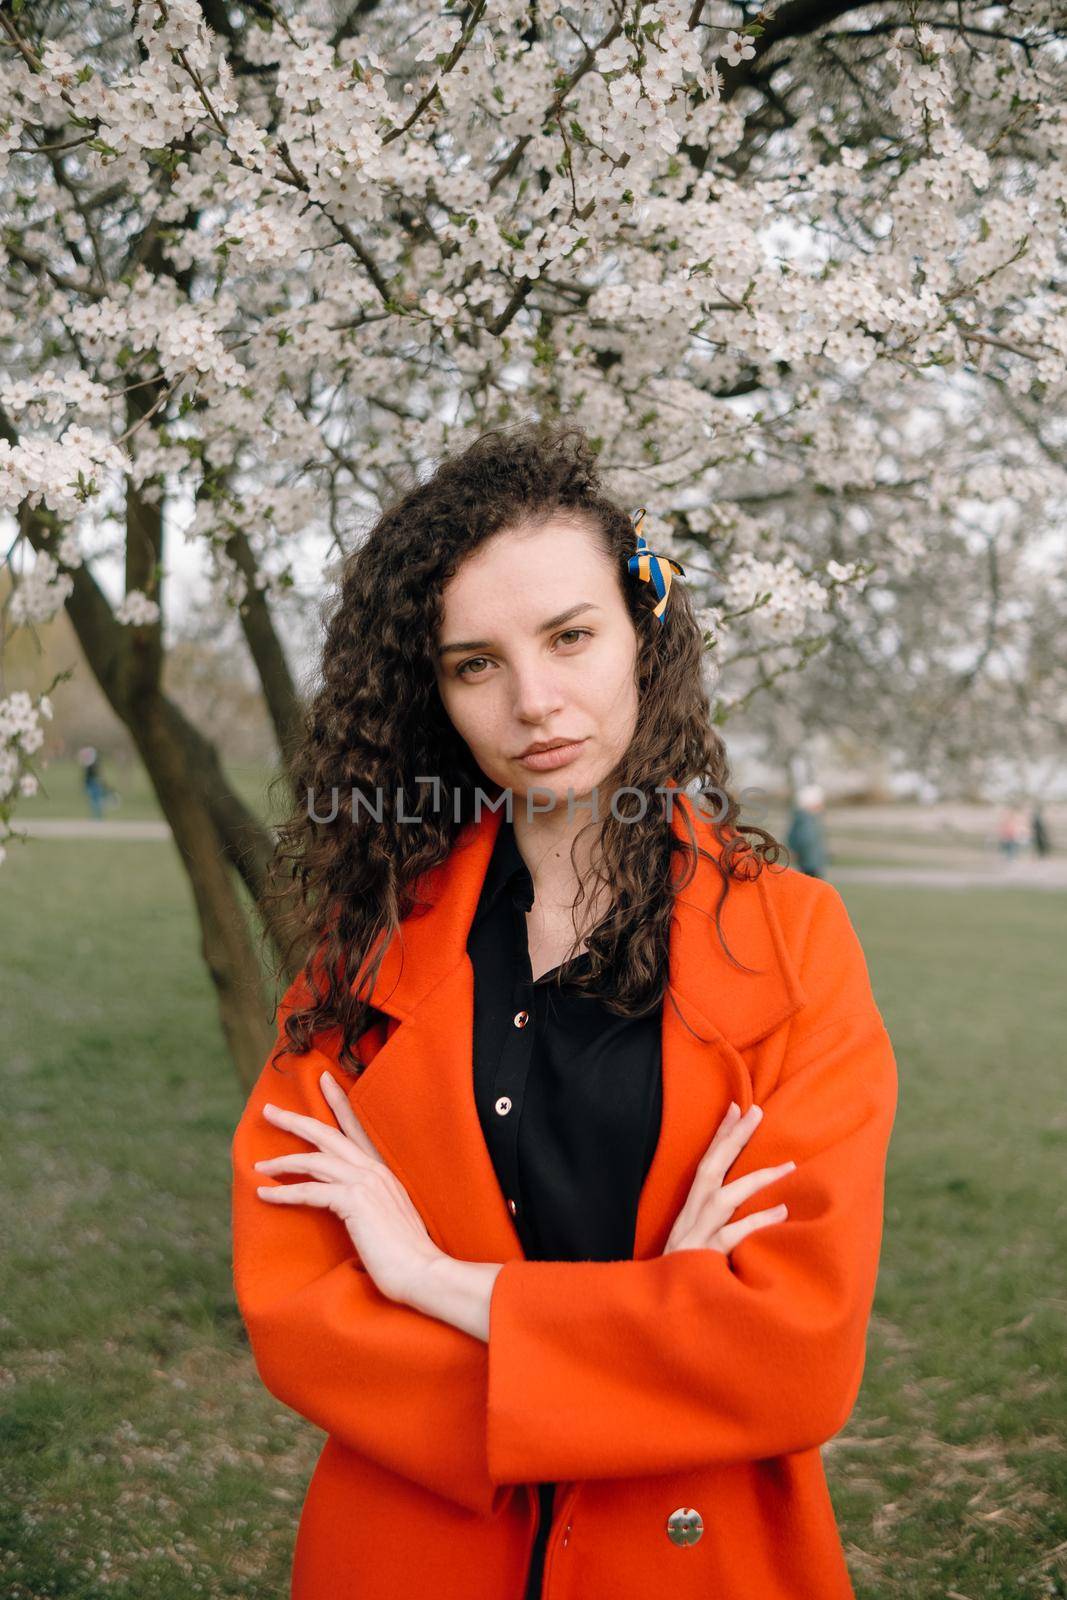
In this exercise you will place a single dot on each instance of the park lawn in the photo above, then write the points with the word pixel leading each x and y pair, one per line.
pixel 62 792
pixel 140 1456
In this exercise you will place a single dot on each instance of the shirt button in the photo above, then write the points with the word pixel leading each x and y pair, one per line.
pixel 503 1106
pixel 512 1207
pixel 521 1018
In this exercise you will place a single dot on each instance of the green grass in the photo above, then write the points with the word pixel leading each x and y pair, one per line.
pixel 131 1422
pixel 62 792
pixel 951 1477
pixel 140 1457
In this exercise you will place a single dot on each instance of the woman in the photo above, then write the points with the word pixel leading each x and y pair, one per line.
pixel 558 1205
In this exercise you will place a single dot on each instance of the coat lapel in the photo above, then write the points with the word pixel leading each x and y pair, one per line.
pixel 416 1098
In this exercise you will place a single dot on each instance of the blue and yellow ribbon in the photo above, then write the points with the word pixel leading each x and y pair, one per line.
pixel 652 568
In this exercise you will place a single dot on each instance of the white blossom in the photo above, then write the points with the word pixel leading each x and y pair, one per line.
pixel 40 594
pixel 136 609
pixel 738 47
pixel 806 338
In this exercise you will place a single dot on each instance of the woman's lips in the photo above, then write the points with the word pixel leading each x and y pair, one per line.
pixel 548 760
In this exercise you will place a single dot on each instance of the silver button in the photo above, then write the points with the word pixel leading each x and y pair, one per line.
pixel 521 1018
pixel 503 1106
pixel 684 1526
pixel 512 1207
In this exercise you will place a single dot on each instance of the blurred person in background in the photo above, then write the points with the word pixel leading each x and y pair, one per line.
pixel 806 838
pixel 99 793
pixel 1012 831
pixel 1039 832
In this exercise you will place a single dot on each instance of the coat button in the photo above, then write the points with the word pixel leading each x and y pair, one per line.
pixel 521 1018
pixel 512 1207
pixel 684 1526
pixel 503 1106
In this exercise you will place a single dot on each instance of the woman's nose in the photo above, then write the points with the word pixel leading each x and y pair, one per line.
pixel 536 694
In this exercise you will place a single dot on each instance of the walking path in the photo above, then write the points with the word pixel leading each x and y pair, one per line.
pixel 87 828
pixel 1048 874
pixel 993 873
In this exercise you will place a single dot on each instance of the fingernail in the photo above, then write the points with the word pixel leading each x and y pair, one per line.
pixel 790 1166
pixel 733 1107
pixel 755 1111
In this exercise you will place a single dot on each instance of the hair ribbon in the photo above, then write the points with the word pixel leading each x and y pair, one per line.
pixel 653 568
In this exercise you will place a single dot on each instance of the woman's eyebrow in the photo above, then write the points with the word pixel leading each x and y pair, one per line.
pixel 546 627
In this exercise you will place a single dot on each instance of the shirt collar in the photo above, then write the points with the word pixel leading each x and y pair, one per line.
pixel 506 870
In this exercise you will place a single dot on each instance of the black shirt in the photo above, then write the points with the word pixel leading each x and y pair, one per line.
pixel 569 1097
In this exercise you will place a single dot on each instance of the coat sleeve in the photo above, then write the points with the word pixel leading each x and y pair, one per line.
pixel 612 1369
pixel 405 1390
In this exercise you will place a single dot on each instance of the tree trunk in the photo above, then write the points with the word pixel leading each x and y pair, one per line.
pixel 226 941
pixel 217 837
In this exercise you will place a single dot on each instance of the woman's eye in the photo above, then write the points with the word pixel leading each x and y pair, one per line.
pixel 463 671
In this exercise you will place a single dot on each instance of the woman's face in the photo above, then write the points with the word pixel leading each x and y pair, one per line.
pixel 536 645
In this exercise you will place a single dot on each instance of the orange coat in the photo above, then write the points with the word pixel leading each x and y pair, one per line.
pixel 693 1382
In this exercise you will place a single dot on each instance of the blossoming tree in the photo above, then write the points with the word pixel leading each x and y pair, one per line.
pixel 259 259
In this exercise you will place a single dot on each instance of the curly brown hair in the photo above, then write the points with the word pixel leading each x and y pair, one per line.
pixel 377 722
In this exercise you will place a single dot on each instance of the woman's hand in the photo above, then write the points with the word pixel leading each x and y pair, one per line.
pixel 354 1182
pixel 704 1221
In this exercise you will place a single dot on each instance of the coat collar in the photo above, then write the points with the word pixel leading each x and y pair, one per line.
pixel 416 1098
